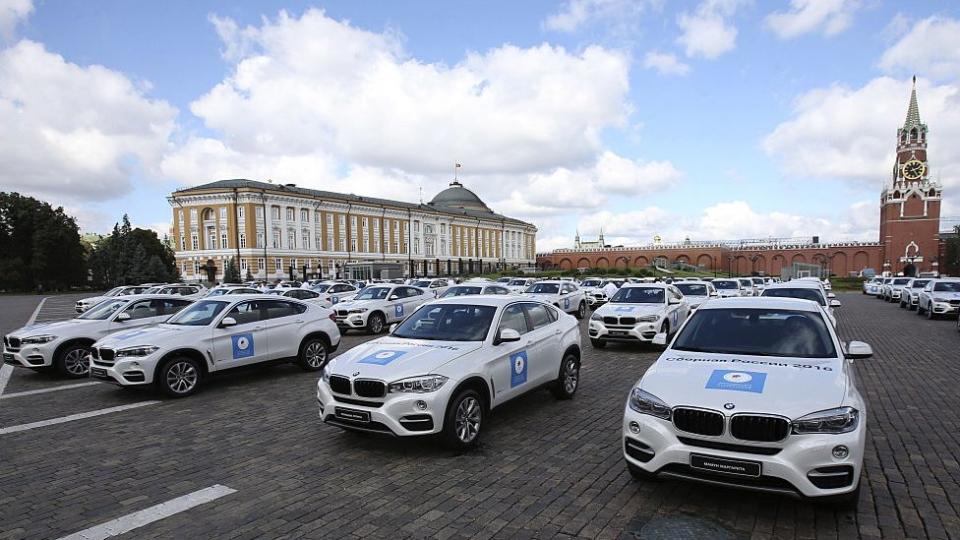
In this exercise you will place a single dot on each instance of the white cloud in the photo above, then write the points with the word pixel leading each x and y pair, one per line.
pixel 707 32
pixel 577 13
pixel 931 49
pixel 830 17
pixel 665 63
pixel 850 133
pixel 12 12
pixel 312 90
pixel 77 132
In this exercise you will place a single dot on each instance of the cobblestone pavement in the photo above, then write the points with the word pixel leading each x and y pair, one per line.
pixel 545 468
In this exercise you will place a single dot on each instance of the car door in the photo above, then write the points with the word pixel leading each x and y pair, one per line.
pixel 415 298
pixel 509 364
pixel 246 342
pixel 544 350
pixel 136 314
pixel 282 323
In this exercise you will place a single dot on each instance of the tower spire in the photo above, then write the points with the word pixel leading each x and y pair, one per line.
pixel 913 111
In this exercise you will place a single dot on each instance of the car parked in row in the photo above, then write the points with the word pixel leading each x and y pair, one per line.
pixel 479 288
pixel 566 295
pixel 939 298
pixel 379 305
pixel 695 293
pixel 911 293
pixel 638 312
pixel 86 303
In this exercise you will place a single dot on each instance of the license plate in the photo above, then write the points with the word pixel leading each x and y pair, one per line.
pixel 97 372
pixel 352 415
pixel 617 333
pixel 726 466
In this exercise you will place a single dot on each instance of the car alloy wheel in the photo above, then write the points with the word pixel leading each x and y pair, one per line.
pixel 582 310
pixel 76 362
pixel 571 376
pixel 181 377
pixel 315 354
pixel 376 323
pixel 467 420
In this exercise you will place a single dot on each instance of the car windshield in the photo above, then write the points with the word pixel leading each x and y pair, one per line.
pixel 544 288
pixel 321 287
pixel 518 282
pixel 638 295
pixel 461 291
pixel 758 281
pixel 447 322
pixel 947 286
pixel 131 290
pixel 103 310
pixel 503 280
pixel 746 282
pixel 726 284
pixel 901 281
pixel 692 289
pixel 374 293
pixel 422 283
pixel 591 283
pixel 759 332
pixel 803 294
pixel 200 314
pixel 920 283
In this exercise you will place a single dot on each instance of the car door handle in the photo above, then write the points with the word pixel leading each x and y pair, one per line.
pixel 299 321
pixel 557 332
pixel 527 344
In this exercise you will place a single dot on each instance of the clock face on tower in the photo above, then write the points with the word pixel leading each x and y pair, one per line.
pixel 913 169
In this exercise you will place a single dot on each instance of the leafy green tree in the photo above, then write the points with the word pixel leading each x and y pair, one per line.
pixel 131 255
pixel 951 253
pixel 230 273
pixel 40 245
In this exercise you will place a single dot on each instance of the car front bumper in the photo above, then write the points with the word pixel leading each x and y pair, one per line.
pixel 653 446
pixel 644 331
pixel 30 356
pixel 352 320
pixel 127 371
pixel 944 308
pixel 398 414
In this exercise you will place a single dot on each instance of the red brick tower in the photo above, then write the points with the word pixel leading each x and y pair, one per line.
pixel 910 202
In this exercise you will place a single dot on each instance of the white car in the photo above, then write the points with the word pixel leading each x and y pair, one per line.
pixel 696 292
pixel 479 288
pixel 87 303
pixel 872 286
pixel 213 335
pixel 753 393
pixel 447 365
pixel 64 345
pixel 892 291
pixel 806 290
pixel 563 294
pixel 178 289
pixel 379 305
pixel 436 286
pixel 518 285
pixel 747 285
pixel 334 293
pixel 230 290
pixel 883 283
pixel 758 285
pixel 940 297
pixel 638 312
pixel 727 288
pixel 911 293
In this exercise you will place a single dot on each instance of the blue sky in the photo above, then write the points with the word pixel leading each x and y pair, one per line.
pixel 705 119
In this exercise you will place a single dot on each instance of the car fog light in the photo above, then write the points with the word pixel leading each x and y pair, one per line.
pixel 421 404
pixel 634 428
pixel 840 451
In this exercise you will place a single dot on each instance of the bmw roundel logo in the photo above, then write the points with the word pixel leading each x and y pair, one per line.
pixel 729 406
pixel 356 373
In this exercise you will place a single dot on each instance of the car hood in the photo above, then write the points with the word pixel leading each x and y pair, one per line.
pixel 391 358
pixel 541 295
pixel 946 295
pixel 59 328
pixel 93 299
pixel 348 304
pixel 628 310
pixel 791 387
pixel 159 335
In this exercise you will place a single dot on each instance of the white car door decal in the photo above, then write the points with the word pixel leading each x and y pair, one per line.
pixel 243 346
pixel 518 368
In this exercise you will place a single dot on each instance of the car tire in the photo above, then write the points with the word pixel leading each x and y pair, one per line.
pixel 568 380
pixel 639 474
pixel 463 421
pixel 313 354
pixel 598 343
pixel 73 361
pixel 919 309
pixel 179 377
pixel 903 305
pixel 375 323
pixel 581 310
pixel 930 314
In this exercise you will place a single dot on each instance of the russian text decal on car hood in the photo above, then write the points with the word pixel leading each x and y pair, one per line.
pixel 395 358
pixel 791 387
pixel 627 310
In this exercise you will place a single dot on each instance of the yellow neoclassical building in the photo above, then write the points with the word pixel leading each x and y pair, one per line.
pixel 279 231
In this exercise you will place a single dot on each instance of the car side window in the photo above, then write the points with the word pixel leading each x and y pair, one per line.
pixel 171 306
pixel 247 312
pixel 514 318
pixel 280 308
pixel 143 309
pixel 306 295
pixel 538 315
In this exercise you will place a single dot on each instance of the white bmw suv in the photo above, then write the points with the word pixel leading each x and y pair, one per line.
pixel 563 294
pixel 214 335
pixel 64 345
pixel 754 393
pixel 444 368
pixel 379 305
pixel 638 312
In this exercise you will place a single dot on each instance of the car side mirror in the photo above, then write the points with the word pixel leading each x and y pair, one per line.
pixel 835 303
pixel 123 316
pixel 392 298
pixel 660 339
pixel 675 300
pixel 507 335
pixel 228 322
pixel 857 350
pixel 831 296
pixel 714 294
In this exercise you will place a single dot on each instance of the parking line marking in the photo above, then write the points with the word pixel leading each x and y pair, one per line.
pixel 36 312
pixel 129 522
pixel 51 389
pixel 72 417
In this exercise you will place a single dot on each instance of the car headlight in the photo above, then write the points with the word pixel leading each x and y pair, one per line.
pixel 43 338
pixel 596 317
pixel 839 420
pixel 647 403
pixel 139 350
pixel 325 375
pixel 419 385
pixel 941 300
pixel 358 310
pixel 648 318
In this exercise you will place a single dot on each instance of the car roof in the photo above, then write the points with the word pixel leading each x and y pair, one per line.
pixel 483 300
pixel 645 285
pixel 760 302
pixel 796 284
pixel 150 297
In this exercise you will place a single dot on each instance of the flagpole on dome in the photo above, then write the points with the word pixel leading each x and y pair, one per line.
pixel 456 169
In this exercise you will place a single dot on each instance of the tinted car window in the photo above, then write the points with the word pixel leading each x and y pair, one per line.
pixel 693 289
pixel 143 309
pixel 280 308
pixel 804 294
pixel 172 305
pixel 247 312
pixel 513 317
pixel 538 315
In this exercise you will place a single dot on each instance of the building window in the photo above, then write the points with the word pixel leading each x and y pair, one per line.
pixel 291 215
pixel 259 212
pixel 211 240
pixel 239 212
pixel 194 242
pixel 318 244
pixel 291 240
pixel 305 240
pixel 223 212
pixel 223 241
pixel 196 267
pixel 260 242
pixel 276 239
pixel 343 244
pixel 304 215
pixel 443 228
pixel 366 245
pixel 243 240
pixel 183 243
pixel 316 217
pixel 416 226
pixel 275 212
pixel 278 264
pixel 243 266
pixel 261 266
